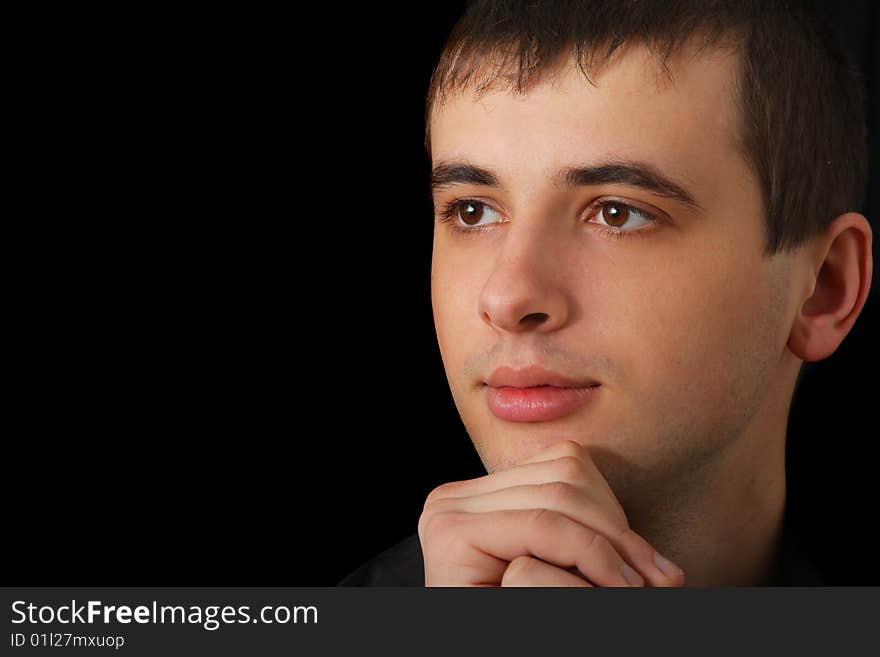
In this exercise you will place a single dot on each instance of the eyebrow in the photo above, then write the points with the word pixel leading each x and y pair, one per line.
pixel 634 173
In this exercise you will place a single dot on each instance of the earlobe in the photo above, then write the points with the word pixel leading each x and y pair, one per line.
pixel 838 295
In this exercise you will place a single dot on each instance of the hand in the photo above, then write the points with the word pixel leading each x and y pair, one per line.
pixel 551 520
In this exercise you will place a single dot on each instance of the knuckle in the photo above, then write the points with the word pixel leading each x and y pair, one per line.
pixel 628 537
pixel 571 448
pixel 434 494
pixel 599 543
pixel 443 542
pixel 433 527
pixel 570 469
pixel 438 505
pixel 423 521
pixel 559 492
pixel 540 517
pixel 537 516
pixel 439 492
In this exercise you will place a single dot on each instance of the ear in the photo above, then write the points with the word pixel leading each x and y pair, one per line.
pixel 836 294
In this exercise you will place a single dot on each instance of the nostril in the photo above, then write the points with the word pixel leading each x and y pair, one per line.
pixel 535 317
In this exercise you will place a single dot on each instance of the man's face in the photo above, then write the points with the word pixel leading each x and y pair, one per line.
pixel 682 321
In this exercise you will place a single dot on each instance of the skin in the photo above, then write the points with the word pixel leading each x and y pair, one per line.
pixel 695 336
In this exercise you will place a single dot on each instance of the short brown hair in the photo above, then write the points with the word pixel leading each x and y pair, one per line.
pixel 801 99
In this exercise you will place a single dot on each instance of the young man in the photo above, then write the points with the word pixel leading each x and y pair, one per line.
pixel 645 223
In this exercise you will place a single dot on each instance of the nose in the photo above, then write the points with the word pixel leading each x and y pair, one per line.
pixel 525 289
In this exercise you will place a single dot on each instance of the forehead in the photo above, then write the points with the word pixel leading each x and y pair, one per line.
pixel 686 126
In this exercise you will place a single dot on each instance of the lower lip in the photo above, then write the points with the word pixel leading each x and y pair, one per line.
pixel 537 404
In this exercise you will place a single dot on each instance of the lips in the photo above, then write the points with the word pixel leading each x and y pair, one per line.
pixel 536 394
pixel 534 375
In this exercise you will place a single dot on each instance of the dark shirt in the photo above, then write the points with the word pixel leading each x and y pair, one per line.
pixel 402 565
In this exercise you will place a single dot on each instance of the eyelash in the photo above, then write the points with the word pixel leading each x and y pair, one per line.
pixel 449 211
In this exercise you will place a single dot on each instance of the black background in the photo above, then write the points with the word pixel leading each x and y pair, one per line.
pixel 224 369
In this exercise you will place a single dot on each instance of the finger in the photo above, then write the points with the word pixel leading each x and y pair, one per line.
pixel 542 533
pixel 562 461
pixel 573 503
pixel 555 451
pixel 594 477
pixel 563 469
pixel 529 571
pixel 567 470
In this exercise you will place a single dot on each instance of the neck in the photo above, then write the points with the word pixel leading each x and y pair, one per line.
pixel 725 528
pixel 722 520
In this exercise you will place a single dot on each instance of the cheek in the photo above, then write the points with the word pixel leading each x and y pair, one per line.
pixel 454 305
pixel 710 339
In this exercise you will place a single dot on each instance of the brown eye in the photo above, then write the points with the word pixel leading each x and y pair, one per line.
pixel 615 214
pixel 470 212
pixel 468 215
